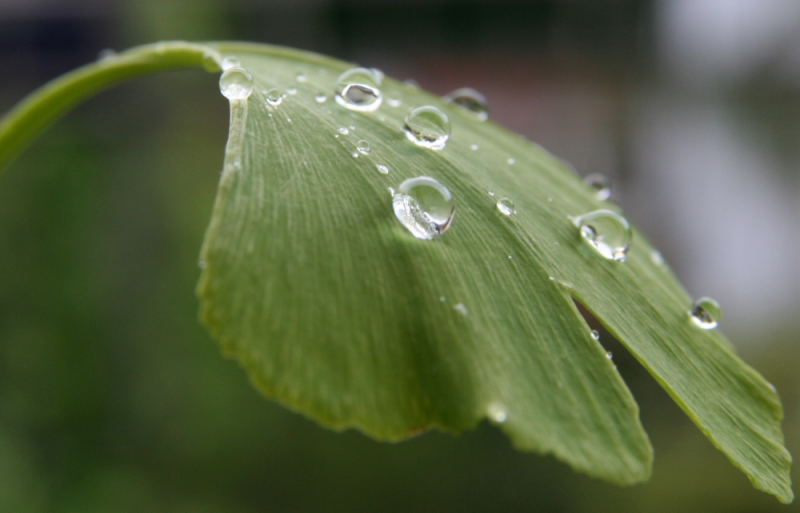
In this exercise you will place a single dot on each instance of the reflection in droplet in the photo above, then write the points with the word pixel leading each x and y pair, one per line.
pixel 359 89
pixel 606 232
pixel 470 100
pixel 424 206
pixel 506 206
pixel 706 313
pixel 235 84
pixel 600 184
pixel 428 127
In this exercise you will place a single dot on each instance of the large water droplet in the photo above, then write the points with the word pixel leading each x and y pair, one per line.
pixel 236 84
pixel 471 100
pixel 600 184
pixel 606 232
pixel 359 89
pixel 497 412
pixel 506 206
pixel 706 313
pixel 424 206
pixel 428 127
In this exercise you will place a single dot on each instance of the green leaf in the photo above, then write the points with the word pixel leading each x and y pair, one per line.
pixel 338 312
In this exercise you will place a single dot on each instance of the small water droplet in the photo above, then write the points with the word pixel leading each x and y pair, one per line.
pixel 383 169
pixel 391 191
pixel 301 78
pixel 424 206
pixel 474 147
pixel 706 313
pixel 461 308
pixel 230 62
pixel 609 355
pixel 359 89
pixel 595 334
pixel 343 130
pixel 394 102
pixel 442 299
pixel 470 100
pixel 506 206
pixel 600 184
pixel 106 53
pixel 657 258
pixel 363 147
pixel 288 120
pixel 606 232
pixel 355 154
pixel 291 90
pixel 320 98
pixel 427 127
pixel 236 84
pixel 497 412
pixel 274 97
pixel 511 161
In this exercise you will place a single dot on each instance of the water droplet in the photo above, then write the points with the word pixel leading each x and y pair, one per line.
pixel 301 78
pixel 320 98
pixel 428 127
pixel 343 130
pixel 359 89
pixel 363 147
pixel 606 232
pixel 595 334
pixel 470 100
pixel 461 308
pixel 394 102
pixel 706 313
pixel 497 412
pixel 511 161
pixel 474 147
pixel 424 206
pixel 274 97
pixel 355 154
pixel 106 53
pixel 506 206
pixel 442 299
pixel 410 82
pixel 600 184
pixel 391 191
pixel 609 355
pixel 657 258
pixel 383 169
pixel 236 84
pixel 291 90
pixel 230 62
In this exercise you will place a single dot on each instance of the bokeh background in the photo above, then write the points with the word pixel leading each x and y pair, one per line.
pixel 113 397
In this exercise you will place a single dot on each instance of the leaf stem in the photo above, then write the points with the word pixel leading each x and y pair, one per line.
pixel 45 105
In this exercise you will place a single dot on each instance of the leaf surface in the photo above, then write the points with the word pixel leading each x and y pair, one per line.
pixel 337 311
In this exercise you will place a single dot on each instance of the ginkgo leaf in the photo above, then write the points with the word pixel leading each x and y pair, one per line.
pixel 316 285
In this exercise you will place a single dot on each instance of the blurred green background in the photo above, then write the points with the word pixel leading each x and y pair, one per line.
pixel 113 398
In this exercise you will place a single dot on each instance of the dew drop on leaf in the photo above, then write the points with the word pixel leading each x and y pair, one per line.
pixel 497 413
pixel 236 84
pixel 320 98
pixel 607 232
pixel 359 89
pixel 428 127
pixel 706 313
pixel 595 334
pixel 600 184
pixel 382 169
pixel 470 100
pixel 424 207
pixel 461 308
pixel 363 147
pixel 274 97
pixel 506 206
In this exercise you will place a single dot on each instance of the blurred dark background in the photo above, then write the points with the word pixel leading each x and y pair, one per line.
pixel 113 398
